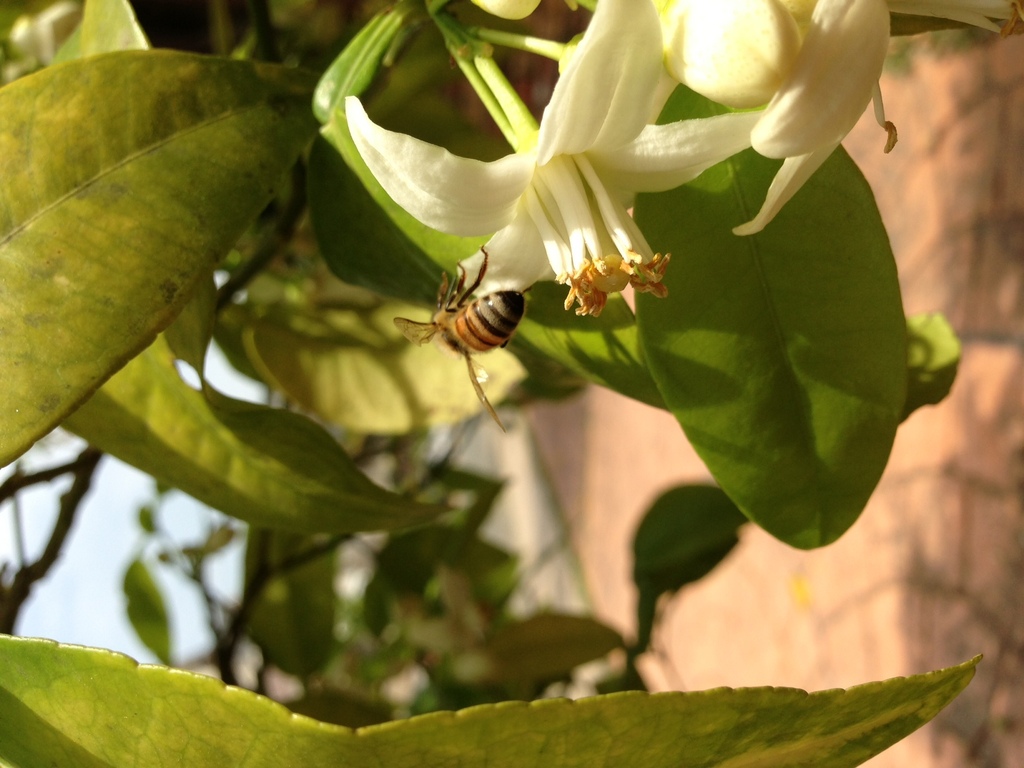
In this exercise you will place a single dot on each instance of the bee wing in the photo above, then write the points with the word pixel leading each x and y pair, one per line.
pixel 417 333
pixel 476 375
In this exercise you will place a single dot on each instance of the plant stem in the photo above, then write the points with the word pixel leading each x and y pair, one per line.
pixel 266 43
pixel 284 229
pixel 498 96
pixel 13 597
pixel 549 49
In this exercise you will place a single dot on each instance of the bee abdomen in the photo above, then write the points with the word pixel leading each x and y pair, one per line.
pixel 490 321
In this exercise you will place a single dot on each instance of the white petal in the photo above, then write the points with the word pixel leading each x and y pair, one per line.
pixel 665 156
pixel 453 194
pixel 604 97
pixel 516 257
pixel 831 82
pixel 735 52
pixel 791 176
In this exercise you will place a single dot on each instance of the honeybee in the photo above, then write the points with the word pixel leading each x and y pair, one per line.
pixel 465 327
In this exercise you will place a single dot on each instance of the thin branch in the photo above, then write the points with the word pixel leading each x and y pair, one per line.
pixel 264 572
pixel 12 598
pixel 266 40
pixel 18 481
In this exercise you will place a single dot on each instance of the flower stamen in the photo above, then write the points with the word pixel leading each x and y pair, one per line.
pixel 590 285
pixel 1015 24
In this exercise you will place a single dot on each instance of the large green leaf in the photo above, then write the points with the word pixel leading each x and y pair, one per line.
pixel 783 354
pixel 266 466
pixel 66 705
pixel 126 177
pixel 603 349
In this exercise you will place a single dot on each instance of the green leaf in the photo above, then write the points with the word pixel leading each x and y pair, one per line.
pixel 146 610
pixel 67 705
pixel 603 349
pixel 366 239
pixel 686 532
pixel 127 177
pixel 107 26
pixel 783 354
pixel 292 620
pixel 545 647
pixel 354 368
pixel 933 357
pixel 269 467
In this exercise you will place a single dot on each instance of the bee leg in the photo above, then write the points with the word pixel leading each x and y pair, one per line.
pixel 442 292
pixel 480 393
pixel 479 277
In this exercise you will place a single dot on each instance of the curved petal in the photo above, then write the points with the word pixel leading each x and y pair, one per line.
pixel 604 97
pixel 791 176
pixel 665 156
pixel 453 194
pixel 832 81
pixel 516 258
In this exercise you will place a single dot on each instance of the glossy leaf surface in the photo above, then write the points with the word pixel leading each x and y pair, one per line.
pixel 127 177
pixel 783 354
pixel 67 705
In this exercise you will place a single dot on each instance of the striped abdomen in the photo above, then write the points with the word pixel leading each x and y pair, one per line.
pixel 488 322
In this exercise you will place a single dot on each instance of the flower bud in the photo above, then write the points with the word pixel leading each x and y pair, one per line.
pixel 509 9
pixel 735 52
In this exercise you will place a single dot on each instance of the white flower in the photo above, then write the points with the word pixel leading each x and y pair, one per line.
pixel 559 207
pixel 815 62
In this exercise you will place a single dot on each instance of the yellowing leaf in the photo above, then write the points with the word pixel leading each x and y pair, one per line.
pixel 73 706
pixel 126 178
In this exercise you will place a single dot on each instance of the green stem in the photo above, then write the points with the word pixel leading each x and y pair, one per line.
pixel 266 44
pixel 498 96
pixel 524 126
pixel 549 49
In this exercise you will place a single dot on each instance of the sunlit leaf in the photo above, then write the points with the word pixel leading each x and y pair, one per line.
pixel 266 466
pixel 110 25
pixel 933 357
pixel 66 705
pixel 783 354
pixel 126 177
pixel 146 610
